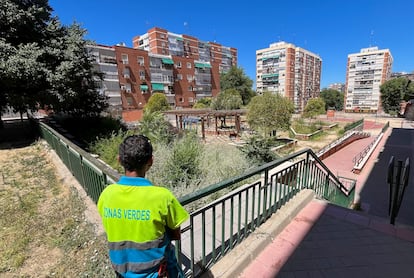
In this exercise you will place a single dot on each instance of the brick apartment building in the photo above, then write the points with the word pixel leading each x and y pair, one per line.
pixel 182 67
pixel 292 71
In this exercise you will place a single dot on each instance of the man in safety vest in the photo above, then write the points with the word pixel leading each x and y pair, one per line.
pixel 140 219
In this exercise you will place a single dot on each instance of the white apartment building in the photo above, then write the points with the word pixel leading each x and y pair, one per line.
pixel 366 72
pixel 291 71
pixel 104 61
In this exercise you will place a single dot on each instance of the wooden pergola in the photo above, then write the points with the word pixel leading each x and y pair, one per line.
pixel 205 115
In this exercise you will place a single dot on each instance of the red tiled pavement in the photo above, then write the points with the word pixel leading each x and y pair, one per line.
pixel 325 240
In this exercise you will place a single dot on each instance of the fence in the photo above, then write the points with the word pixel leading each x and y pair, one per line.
pixel 90 172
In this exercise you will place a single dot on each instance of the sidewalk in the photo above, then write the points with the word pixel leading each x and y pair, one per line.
pixel 325 240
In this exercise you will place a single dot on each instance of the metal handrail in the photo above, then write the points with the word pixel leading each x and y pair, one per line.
pixel 218 227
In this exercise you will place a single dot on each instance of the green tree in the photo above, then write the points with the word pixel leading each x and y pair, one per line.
pixel 157 103
pixel 73 86
pixel 269 112
pixel 156 127
pixel 203 103
pixel 44 63
pixel 393 92
pixel 333 99
pixel 227 100
pixel 236 79
pixel 314 107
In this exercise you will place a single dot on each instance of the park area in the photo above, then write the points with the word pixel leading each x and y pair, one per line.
pixel 48 225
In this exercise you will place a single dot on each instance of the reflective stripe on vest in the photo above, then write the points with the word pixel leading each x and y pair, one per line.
pixel 137 257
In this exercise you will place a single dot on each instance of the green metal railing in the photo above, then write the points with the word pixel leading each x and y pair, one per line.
pixel 92 174
pixel 215 229
pixel 235 207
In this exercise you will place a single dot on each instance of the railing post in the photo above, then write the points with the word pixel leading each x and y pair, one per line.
pixel 397 183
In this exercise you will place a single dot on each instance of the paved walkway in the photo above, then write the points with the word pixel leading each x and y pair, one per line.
pixel 325 240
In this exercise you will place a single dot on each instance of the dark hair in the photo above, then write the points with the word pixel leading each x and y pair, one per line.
pixel 134 152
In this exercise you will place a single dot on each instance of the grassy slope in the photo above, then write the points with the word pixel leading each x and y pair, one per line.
pixel 43 229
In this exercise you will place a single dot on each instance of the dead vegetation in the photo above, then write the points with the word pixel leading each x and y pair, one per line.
pixel 44 230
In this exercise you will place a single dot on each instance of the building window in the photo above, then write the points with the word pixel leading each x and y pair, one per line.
pixel 179 76
pixel 124 59
pixel 178 65
pixel 128 87
pixel 142 75
pixel 188 65
pixel 190 88
pixel 140 60
pixel 130 100
pixel 126 73
pixel 189 77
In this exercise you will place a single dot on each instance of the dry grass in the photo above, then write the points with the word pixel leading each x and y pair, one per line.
pixel 43 227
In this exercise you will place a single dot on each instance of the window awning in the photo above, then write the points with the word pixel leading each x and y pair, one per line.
pixel 157 86
pixel 270 75
pixel 168 61
pixel 144 87
pixel 202 65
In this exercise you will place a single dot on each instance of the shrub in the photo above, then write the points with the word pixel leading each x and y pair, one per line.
pixel 180 165
pixel 258 150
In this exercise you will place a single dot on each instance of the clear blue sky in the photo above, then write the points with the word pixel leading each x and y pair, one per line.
pixel 330 28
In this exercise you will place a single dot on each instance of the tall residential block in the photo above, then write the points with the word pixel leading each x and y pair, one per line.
pixel 291 71
pixel 366 72
pixel 182 67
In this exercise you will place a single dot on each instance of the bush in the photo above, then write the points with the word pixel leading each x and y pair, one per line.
pixel 258 150
pixel 180 164
pixel 107 148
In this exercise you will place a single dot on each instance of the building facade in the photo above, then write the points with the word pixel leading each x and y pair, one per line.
pixel 104 61
pixel 366 72
pixel 182 67
pixel 289 70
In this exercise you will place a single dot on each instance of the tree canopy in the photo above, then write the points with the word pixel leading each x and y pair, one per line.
pixel 393 92
pixel 43 63
pixel 269 112
pixel 236 79
pixel 333 99
pixel 314 107
pixel 157 103
pixel 229 99
pixel 203 103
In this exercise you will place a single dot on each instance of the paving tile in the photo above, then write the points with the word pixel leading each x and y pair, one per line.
pixel 286 275
pixel 405 233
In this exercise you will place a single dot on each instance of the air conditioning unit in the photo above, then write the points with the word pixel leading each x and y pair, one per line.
pixel 123 87
pixel 142 77
pixel 126 75
pixel 128 90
